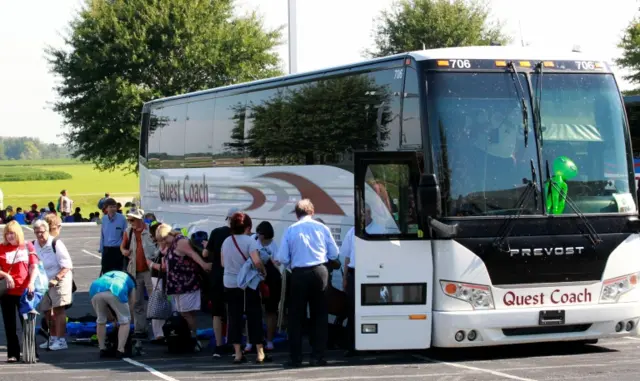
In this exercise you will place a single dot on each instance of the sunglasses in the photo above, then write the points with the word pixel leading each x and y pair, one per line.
pixel 132 220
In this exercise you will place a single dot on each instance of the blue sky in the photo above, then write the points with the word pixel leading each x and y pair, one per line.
pixel 330 32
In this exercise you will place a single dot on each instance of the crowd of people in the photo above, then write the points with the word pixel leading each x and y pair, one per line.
pixel 239 273
pixel 63 207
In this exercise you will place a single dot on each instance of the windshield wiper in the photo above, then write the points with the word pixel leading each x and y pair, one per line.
pixel 520 93
pixel 591 233
pixel 537 103
pixel 507 225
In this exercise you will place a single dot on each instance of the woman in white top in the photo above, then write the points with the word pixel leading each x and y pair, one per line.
pixel 273 280
pixel 57 264
pixel 235 251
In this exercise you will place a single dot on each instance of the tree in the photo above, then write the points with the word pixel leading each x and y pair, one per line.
pixel 30 152
pixel 414 24
pixel 122 53
pixel 630 45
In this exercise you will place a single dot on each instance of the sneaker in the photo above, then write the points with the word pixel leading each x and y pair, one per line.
pixel 59 345
pixel 47 344
pixel 104 354
pixel 120 355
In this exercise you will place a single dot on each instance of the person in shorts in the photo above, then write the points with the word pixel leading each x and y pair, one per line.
pixel 112 290
pixel 57 264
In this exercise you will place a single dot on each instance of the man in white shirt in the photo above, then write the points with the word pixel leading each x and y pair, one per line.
pixel 66 204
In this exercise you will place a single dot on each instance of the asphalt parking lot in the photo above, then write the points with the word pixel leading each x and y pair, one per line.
pixel 608 360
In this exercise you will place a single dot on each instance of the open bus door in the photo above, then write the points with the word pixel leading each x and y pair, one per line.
pixel 394 262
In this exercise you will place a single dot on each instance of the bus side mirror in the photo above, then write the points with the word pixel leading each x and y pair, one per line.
pixel 429 200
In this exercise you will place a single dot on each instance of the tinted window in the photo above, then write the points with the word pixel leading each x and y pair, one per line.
pixel 172 137
pixel 199 133
pixel 262 126
pixel 144 135
pixel 411 131
pixel 156 123
pixel 381 98
pixel 228 130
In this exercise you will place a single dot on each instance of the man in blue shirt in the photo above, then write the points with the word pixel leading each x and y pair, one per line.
pixel 112 230
pixel 110 294
pixel 307 246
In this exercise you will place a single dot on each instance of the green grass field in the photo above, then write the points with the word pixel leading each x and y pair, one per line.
pixel 85 188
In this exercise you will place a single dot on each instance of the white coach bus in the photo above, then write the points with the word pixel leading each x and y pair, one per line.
pixel 446 153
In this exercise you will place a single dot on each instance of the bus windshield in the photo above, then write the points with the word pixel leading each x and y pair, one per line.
pixel 582 118
pixel 484 163
pixel 477 130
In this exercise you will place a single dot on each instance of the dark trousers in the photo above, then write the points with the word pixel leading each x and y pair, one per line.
pixel 308 286
pixel 351 308
pixel 241 302
pixel 112 260
pixel 9 305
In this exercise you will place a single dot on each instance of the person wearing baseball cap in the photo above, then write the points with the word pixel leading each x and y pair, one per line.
pixel 138 246
pixel 215 291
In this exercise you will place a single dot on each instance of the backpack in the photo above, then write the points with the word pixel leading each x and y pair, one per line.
pixel 111 343
pixel 178 335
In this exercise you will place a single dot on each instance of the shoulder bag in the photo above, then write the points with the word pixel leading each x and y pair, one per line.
pixel 263 287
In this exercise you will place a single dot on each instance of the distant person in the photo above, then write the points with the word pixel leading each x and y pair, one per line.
pixel 119 208
pixel 112 291
pixel 20 217
pixel 102 200
pixel 77 217
pixel 66 204
pixel 66 217
pixel 43 213
pixel 8 214
pixel 111 233
pixel 52 207
pixel 96 217
pixel 32 215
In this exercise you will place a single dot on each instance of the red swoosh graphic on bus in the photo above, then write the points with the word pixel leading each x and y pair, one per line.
pixel 258 197
pixel 322 202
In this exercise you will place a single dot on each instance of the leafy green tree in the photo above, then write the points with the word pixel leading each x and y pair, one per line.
pixel 122 53
pixel 630 45
pixel 413 24
pixel 30 151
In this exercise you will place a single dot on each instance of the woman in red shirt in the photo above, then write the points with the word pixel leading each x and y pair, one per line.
pixel 18 260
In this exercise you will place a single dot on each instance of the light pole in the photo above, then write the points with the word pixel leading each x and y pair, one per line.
pixel 293 41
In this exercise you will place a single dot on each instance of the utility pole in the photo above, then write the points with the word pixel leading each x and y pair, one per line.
pixel 293 38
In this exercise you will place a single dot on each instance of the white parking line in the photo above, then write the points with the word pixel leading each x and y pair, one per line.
pixel 91 254
pixel 473 368
pixel 149 369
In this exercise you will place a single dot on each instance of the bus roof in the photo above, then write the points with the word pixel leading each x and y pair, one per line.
pixel 467 52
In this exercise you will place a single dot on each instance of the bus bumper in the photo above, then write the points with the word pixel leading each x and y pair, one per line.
pixel 519 326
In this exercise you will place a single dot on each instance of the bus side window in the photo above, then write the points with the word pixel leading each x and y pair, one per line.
pixel 389 203
pixel 411 132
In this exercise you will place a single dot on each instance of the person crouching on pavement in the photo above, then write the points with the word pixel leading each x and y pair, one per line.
pixel 113 289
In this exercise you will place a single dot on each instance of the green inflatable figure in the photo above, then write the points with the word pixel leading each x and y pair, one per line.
pixel 556 196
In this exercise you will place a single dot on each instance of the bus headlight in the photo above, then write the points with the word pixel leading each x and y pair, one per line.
pixel 614 288
pixel 478 295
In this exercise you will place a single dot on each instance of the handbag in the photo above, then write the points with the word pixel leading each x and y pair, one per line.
pixel 263 288
pixel 158 307
pixel 3 281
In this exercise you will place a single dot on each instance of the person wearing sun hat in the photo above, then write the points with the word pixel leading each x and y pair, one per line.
pixel 138 246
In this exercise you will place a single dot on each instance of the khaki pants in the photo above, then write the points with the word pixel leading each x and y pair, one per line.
pixel 138 304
